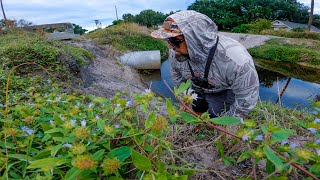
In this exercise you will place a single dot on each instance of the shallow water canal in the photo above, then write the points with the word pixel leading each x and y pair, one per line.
pixel 296 84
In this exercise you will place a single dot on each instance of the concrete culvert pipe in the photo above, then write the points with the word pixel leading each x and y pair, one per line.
pixel 142 59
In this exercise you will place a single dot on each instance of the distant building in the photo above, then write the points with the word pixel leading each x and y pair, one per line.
pixel 287 25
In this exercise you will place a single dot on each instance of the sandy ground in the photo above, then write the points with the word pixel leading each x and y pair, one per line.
pixel 248 40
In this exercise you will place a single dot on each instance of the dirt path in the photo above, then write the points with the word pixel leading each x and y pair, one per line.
pixel 105 75
pixel 249 40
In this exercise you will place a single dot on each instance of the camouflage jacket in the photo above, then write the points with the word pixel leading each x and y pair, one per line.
pixel 232 66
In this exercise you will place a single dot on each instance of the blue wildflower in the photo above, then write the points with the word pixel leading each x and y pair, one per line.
pixel 116 126
pixel 293 145
pixel 284 142
pixel 83 122
pixel 67 145
pixel 27 130
pixel 73 122
pixel 259 138
pixel 312 130
pixel 317 120
pixel 245 137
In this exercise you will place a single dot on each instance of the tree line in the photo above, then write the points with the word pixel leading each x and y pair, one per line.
pixel 228 14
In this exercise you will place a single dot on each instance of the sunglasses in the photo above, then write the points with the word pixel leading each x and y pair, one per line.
pixel 175 42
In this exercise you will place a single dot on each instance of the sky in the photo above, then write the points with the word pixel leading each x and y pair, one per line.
pixel 84 13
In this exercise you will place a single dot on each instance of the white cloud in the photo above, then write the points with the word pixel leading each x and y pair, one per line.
pixel 84 13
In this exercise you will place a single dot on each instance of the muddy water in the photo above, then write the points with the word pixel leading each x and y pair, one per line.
pixel 296 84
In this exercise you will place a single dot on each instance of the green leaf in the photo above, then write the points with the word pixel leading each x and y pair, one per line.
pixel 220 149
pixel 315 169
pixel 150 120
pixel 141 162
pixel 225 120
pixel 46 137
pixel 101 124
pixel 299 122
pixel 245 155
pixel 55 149
pixel 98 155
pixel 273 158
pixel 57 120
pixel 270 167
pixel 121 153
pixel 52 162
pixel 228 160
pixel 283 134
pixel 54 130
pixel 187 117
pixel 169 105
pixel 21 157
pixel 264 129
pixel 72 174
pixel 183 87
pixel 59 139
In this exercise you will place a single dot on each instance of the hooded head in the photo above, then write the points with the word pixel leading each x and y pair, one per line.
pixel 199 32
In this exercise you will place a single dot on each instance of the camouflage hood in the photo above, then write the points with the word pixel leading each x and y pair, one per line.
pixel 232 66
pixel 199 31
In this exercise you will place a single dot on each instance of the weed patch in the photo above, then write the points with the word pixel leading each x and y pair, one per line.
pixel 129 37
pixel 279 50
pixel 17 47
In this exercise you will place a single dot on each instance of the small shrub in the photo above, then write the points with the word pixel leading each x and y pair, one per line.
pixel 243 28
pixel 254 27
pixel 298 30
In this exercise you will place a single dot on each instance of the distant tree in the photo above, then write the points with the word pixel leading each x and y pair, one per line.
pixel 23 23
pixel 98 23
pixel 128 17
pixel 316 20
pixel 149 18
pixel 116 22
pixel 311 15
pixel 78 29
pixel 228 15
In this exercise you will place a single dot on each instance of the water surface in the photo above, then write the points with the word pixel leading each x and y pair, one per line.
pixel 296 89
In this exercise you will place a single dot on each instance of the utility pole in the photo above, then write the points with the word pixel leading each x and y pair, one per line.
pixel 116 12
pixel 311 15
pixel 4 15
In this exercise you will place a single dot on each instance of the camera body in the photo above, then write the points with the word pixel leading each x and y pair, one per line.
pixel 201 82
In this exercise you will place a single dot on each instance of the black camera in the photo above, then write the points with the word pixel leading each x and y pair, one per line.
pixel 202 82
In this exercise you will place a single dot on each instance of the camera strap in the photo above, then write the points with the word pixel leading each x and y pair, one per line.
pixel 209 61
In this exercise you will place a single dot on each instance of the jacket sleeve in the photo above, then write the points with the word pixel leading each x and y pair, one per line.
pixel 245 86
pixel 176 75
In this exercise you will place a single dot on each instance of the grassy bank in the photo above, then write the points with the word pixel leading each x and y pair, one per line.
pixel 17 47
pixel 292 34
pixel 301 51
pixel 129 37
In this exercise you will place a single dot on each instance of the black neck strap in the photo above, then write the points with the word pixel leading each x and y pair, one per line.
pixel 209 60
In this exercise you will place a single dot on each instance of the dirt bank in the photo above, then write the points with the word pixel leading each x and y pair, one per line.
pixel 105 75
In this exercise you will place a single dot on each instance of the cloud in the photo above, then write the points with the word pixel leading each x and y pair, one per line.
pixel 316 5
pixel 84 13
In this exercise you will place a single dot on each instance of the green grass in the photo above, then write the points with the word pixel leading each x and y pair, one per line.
pixel 292 34
pixel 17 47
pixel 128 37
pixel 289 50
